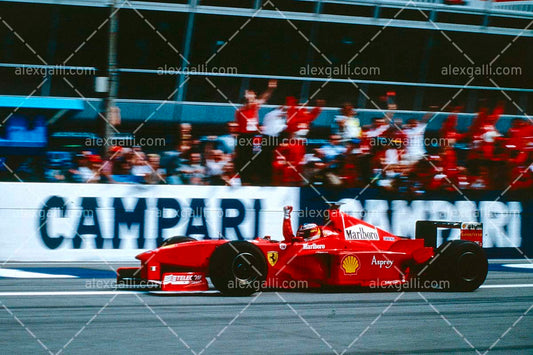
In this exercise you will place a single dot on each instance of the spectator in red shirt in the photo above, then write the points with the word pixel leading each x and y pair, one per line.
pixel 289 157
pixel 520 145
pixel 299 118
pixel 279 165
pixel 519 134
pixel 247 118
pixel 449 128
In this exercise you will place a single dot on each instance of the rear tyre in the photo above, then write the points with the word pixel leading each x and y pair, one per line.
pixel 176 240
pixel 238 268
pixel 462 263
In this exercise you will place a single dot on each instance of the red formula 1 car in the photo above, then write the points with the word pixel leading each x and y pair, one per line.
pixel 345 251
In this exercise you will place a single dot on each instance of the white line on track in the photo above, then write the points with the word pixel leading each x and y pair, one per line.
pixel 21 274
pixel 68 293
pixel 67 263
pixel 519 266
pixel 129 292
pixel 506 286
pixel 100 293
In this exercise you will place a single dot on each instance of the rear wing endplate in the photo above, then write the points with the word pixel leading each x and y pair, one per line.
pixel 427 230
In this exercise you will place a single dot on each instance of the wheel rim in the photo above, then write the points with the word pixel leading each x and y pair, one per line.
pixel 243 267
pixel 469 266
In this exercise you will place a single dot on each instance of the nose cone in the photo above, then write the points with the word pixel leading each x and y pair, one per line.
pixel 145 256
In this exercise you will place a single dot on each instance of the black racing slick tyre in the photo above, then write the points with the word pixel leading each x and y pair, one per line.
pixel 176 240
pixel 462 263
pixel 238 268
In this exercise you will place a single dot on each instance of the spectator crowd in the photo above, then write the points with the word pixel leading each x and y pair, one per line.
pixel 391 154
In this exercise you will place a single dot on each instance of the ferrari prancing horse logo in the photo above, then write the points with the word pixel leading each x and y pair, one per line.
pixel 272 257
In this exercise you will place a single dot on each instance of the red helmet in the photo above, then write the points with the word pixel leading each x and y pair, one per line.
pixel 309 231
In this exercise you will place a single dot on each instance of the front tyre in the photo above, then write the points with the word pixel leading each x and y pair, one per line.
pixel 238 268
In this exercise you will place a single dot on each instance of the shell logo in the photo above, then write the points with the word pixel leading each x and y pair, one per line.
pixel 350 264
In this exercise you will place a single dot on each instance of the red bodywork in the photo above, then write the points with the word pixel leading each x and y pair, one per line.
pixel 350 252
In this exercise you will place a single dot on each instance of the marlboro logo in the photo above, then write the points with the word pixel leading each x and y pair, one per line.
pixel 361 232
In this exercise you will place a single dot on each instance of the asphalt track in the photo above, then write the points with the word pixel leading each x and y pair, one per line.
pixel 87 315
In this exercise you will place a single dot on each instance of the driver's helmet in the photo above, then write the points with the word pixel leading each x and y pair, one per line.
pixel 309 231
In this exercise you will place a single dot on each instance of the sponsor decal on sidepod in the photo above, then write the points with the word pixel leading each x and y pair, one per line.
pixel 181 279
pixel 361 232
pixel 313 246
pixel 350 264
pixel 382 263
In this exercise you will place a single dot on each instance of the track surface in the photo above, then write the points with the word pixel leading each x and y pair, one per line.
pixel 90 316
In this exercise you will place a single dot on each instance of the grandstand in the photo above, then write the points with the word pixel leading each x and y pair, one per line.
pixel 191 61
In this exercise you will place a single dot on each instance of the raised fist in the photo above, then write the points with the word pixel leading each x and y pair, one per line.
pixel 287 212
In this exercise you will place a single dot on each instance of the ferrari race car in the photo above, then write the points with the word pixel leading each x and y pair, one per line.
pixel 344 252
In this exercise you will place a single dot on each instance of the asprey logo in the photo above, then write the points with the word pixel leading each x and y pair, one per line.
pixel 382 263
pixel 361 232
pixel 181 279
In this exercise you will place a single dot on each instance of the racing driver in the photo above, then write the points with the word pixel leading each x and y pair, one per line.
pixel 307 232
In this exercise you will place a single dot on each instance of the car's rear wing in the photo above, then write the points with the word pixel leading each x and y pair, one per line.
pixel 427 230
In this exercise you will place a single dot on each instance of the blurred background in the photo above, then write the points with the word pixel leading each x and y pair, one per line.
pixel 407 97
